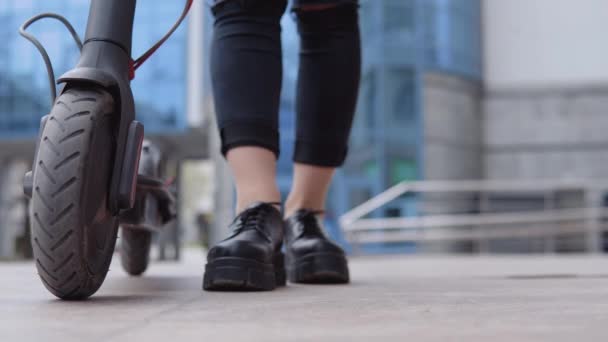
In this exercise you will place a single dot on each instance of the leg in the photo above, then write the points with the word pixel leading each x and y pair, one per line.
pixel 328 85
pixel 246 76
pixel 254 171
pixel 309 188
pixel 246 71
pixel 327 94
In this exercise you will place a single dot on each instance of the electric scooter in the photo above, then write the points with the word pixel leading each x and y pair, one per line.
pixel 87 177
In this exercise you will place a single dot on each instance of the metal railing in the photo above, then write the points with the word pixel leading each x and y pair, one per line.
pixel 572 206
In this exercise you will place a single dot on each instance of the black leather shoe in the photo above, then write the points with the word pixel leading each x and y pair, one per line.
pixel 251 258
pixel 310 256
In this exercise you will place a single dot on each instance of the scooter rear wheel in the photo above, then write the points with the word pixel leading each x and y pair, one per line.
pixel 73 231
pixel 135 250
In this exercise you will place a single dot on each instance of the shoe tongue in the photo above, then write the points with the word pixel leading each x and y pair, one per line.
pixel 253 212
pixel 302 213
pixel 307 222
pixel 253 218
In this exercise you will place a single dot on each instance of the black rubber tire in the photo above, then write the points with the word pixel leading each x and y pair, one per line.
pixel 135 250
pixel 73 231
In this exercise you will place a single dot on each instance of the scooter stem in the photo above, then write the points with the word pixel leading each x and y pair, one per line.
pixel 108 39
pixel 111 21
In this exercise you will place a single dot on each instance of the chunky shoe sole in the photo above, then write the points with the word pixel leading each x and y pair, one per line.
pixel 241 274
pixel 319 268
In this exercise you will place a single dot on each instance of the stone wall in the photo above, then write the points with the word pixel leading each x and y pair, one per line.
pixel 559 133
pixel 452 128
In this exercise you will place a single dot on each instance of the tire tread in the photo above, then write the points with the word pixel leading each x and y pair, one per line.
pixel 58 204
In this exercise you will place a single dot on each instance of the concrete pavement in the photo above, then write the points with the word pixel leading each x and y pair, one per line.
pixel 391 299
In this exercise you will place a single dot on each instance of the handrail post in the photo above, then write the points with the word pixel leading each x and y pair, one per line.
pixel 549 204
pixel 592 224
pixel 482 243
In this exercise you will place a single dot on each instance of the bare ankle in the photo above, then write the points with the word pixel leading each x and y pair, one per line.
pixel 254 170
pixel 247 199
pixel 292 205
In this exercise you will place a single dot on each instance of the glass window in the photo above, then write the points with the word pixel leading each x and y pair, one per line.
pixel 453 37
pixel 402 170
pixel 159 87
pixel 399 15
pixel 402 86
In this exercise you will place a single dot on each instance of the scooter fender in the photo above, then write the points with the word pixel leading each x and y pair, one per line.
pixel 130 133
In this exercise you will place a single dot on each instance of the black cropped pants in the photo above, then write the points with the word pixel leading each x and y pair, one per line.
pixel 246 74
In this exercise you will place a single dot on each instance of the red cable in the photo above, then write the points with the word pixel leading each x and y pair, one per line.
pixel 135 64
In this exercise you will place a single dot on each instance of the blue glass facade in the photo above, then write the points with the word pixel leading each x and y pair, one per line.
pixel 452 36
pixel 160 85
pixel 402 39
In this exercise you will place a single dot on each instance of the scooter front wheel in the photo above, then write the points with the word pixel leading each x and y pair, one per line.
pixel 73 230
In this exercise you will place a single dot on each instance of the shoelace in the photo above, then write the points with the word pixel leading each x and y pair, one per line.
pixel 308 220
pixel 254 219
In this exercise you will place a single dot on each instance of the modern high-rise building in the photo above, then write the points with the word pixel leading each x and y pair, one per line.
pixel 546 89
pixel 418 114
pixel 419 100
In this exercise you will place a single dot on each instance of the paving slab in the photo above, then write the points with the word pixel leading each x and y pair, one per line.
pixel 391 298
